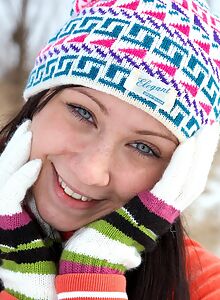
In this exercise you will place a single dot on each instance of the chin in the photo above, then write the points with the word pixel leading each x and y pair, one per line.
pixel 66 227
pixel 61 225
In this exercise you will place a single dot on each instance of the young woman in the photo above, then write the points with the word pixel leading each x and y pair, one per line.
pixel 109 149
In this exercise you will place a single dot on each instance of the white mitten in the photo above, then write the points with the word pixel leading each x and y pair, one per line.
pixel 27 269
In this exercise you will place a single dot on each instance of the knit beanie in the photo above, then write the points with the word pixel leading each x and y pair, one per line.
pixel 162 56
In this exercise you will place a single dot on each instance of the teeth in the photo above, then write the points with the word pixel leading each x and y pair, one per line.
pixel 63 184
pixel 76 196
pixel 84 198
pixel 67 190
pixel 71 193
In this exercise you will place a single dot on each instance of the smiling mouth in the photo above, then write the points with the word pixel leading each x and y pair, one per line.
pixel 67 190
pixel 73 194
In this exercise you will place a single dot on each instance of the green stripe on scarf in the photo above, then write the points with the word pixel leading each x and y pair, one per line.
pixel 147 231
pixel 90 261
pixel 42 267
pixel 113 233
pixel 32 245
pixel 18 295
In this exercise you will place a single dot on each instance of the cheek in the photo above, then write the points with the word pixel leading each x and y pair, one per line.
pixel 51 136
pixel 132 183
pixel 156 174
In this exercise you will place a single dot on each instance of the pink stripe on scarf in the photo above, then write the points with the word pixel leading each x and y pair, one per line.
pixel 67 267
pixel 15 221
pixel 159 207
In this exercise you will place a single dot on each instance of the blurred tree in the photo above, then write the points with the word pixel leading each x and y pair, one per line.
pixel 17 74
pixel 14 77
pixel 24 29
pixel 19 37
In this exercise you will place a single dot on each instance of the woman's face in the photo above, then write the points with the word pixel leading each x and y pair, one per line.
pixel 97 146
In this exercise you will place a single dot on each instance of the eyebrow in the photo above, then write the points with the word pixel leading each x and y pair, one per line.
pixel 154 133
pixel 101 106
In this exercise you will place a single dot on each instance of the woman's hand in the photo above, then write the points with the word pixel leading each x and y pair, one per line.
pixel 27 268
pixel 114 243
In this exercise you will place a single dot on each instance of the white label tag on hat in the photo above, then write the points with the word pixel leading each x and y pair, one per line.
pixel 151 89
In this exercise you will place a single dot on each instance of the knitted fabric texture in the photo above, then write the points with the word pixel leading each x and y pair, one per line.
pixel 28 256
pixel 25 255
pixel 112 245
pixel 161 56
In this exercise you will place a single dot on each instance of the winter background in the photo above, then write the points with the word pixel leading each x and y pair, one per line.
pixel 25 27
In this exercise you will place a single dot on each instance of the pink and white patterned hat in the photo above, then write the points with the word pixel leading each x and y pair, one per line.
pixel 163 56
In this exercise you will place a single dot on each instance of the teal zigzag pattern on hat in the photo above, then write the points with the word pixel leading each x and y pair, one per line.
pixel 101 45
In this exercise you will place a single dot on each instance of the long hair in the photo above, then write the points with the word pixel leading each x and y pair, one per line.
pixel 162 274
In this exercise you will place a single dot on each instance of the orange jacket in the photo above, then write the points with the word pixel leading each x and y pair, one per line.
pixel 204 272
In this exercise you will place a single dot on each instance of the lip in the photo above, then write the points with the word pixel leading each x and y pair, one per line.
pixel 66 199
pixel 73 189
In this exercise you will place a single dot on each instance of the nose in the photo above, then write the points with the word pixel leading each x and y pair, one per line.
pixel 92 166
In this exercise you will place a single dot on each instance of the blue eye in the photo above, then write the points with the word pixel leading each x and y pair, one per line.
pixel 145 150
pixel 81 113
